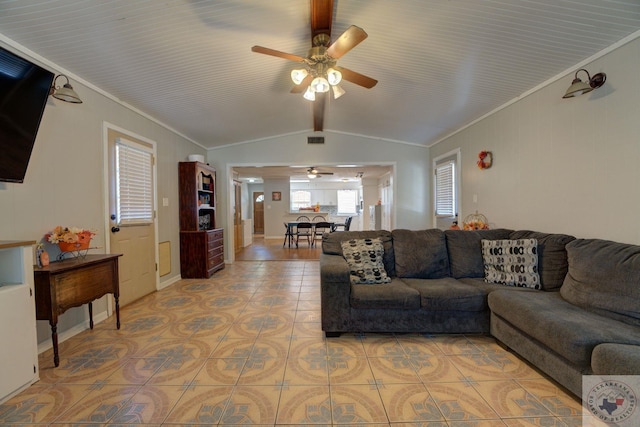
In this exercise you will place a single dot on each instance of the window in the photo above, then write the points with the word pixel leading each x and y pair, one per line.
pixel 445 199
pixel 134 183
pixel 300 199
pixel 347 202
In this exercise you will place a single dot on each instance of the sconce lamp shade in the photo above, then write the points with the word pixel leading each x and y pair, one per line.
pixel 64 93
pixel 334 76
pixel 578 87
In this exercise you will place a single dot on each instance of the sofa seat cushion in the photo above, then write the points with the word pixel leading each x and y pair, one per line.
pixel 448 294
pixel 465 250
pixel 490 287
pixel 603 278
pixel 386 295
pixel 616 359
pixel 420 254
pixel 552 256
pixel 568 330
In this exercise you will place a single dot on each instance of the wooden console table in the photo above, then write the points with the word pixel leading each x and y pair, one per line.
pixel 72 283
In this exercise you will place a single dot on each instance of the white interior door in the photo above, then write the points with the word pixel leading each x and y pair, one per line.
pixel 132 212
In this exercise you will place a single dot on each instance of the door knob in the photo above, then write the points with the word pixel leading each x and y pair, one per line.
pixel 115 229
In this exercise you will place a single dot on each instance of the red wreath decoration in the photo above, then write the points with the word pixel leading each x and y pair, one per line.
pixel 485 159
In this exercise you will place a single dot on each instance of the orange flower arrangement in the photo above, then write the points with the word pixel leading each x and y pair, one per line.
pixel 70 238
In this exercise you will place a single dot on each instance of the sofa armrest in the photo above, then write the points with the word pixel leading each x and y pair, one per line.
pixel 335 293
pixel 616 359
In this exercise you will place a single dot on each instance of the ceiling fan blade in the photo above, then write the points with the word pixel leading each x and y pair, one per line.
pixel 318 111
pixel 321 17
pixel 347 41
pixel 357 78
pixel 277 53
pixel 303 85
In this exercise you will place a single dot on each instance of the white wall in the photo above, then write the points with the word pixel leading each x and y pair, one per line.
pixel 561 165
pixel 64 181
pixel 412 164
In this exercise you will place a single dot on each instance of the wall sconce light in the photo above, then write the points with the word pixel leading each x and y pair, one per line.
pixel 64 93
pixel 578 87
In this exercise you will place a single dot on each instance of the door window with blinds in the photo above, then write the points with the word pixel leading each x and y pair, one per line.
pixel 134 183
pixel 445 189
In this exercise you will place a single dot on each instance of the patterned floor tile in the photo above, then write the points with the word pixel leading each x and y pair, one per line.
pixel 460 402
pixel 510 400
pixel 246 347
pixel 150 405
pixel 40 404
pixel 201 405
pixel 553 398
pixel 251 405
pixel 304 405
pixel 409 402
pixel 356 404
pixel 99 405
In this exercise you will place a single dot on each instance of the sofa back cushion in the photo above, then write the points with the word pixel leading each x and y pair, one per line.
pixel 604 277
pixel 420 254
pixel 552 256
pixel 465 250
pixel 331 245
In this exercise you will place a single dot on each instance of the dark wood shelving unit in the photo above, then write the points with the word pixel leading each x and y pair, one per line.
pixel 201 243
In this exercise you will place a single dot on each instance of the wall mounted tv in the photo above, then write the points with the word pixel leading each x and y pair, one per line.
pixel 24 89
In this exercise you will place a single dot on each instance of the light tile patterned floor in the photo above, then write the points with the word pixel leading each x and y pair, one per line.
pixel 245 348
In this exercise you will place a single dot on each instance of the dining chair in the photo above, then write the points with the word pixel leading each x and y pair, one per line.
pixel 304 229
pixel 321 228
pixel 302 218
pixel 318 218
pixel 342 225
pixel 288 234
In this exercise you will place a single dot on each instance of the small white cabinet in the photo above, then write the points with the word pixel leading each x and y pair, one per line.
pixel 18 340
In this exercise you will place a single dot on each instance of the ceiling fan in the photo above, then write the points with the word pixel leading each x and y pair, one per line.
pixel 320 72
pixel 313 173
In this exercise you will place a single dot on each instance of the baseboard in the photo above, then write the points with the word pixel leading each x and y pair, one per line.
pixel 71 332
pixel 169 282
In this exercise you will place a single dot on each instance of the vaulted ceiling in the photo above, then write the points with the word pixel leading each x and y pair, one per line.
pixel 440 64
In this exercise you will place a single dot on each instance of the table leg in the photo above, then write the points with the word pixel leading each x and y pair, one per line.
pixel 116 298
pixel 90 315
pixel 54 338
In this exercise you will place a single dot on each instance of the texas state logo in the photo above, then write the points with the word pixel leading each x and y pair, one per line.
pixel 612 401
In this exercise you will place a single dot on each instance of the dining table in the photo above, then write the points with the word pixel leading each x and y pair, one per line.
pixel 292 225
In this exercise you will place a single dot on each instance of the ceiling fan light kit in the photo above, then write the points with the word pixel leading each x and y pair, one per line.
pixel 319 73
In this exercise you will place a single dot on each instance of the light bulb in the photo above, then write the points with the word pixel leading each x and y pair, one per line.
pixel 310 94
pixel 298 75
pixel 320 84
pixel 334 76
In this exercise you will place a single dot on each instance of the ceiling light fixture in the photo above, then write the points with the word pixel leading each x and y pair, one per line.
pixel 578 87
pixel 64 93
pixel 321 67
pixel 312 175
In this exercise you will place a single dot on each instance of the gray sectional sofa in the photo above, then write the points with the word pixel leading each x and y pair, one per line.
pixel 585 319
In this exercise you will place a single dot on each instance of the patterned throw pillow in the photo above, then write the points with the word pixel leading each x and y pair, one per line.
pixel 511 262
pixel 364 257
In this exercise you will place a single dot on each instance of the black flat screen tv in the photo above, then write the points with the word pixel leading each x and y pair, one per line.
pixel 24 89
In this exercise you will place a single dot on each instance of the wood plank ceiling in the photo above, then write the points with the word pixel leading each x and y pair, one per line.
pixel 440 63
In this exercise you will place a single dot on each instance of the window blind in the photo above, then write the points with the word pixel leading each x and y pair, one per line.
pixel 347 201
pixel 134 184
pixel 445 189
